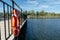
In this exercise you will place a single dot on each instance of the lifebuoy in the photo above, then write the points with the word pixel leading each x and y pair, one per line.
pixel 15 23
pixel 18 25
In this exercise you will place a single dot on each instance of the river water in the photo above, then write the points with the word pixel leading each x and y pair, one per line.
pixel 43 29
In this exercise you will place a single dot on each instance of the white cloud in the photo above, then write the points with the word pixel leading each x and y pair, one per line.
pixel 43 6
pixel 57 2
pixel 46 1
pixel 32 2
pixel 52 1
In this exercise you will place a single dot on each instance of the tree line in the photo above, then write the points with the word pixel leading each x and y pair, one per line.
pixel 32 13
pixel 41 13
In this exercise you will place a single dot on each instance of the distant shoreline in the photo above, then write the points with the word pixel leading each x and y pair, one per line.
pixel 44 17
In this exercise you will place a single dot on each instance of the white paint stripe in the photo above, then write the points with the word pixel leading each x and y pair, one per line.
pixel 22 24
pixel 11 37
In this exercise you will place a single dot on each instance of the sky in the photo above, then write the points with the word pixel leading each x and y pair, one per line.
pixel 38 5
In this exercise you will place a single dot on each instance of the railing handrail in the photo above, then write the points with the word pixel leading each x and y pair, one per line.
pixel 16 4
pixel 7 4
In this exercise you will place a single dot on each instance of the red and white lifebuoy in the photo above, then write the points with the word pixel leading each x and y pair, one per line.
pixel 18 24
pixel 15 23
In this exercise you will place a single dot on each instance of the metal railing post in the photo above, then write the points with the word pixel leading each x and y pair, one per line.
pixel 0 33
pixel 4 20
pixel 8 20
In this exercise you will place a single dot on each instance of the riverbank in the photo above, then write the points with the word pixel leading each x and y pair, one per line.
pixel 44 17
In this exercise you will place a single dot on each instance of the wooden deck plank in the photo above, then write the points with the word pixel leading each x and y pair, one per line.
pixel 3 32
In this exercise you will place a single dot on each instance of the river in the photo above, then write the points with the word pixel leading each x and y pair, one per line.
pixel 43 29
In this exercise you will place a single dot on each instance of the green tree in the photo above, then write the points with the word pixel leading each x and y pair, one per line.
pixel 42 13
pixel 37 13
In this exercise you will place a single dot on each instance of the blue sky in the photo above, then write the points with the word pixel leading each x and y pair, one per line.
pixel 38 5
